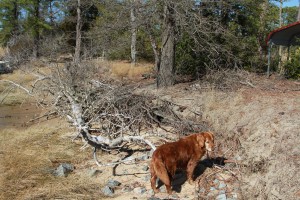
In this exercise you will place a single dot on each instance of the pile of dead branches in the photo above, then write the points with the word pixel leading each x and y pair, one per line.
pixel 108 114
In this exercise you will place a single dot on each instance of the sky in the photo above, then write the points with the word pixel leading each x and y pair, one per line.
pixel 291 3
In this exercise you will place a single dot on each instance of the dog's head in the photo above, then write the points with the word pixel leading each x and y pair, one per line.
pixel 206 140
pixel 209 141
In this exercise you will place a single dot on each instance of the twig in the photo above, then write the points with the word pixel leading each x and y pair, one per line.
pixel 19 86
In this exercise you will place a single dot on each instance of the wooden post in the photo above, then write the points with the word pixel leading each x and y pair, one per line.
pixel 288 57
pixel 269 57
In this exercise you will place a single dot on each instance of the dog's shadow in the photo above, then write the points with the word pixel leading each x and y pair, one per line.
pixel 180 177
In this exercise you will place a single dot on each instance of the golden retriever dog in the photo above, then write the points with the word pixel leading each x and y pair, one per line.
pixel 182 154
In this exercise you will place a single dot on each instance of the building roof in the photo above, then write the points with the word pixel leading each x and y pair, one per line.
pixel 286 35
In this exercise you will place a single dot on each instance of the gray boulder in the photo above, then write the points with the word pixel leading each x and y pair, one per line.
pixel 63 170
pixel 108 191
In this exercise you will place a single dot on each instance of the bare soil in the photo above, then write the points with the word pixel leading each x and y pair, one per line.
pixel 257 125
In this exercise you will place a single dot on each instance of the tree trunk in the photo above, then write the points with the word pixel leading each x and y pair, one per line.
pixel 261 31
pixel 166 69
pixel 36 33
pixel 15 18
pixel 156 52
pixel 298 17
pixel 78 35
pixel 280 66
pixel 133 32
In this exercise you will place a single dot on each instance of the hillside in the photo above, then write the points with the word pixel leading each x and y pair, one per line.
pixel 256 122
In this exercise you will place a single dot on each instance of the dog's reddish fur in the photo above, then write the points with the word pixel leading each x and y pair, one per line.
pixel 182 154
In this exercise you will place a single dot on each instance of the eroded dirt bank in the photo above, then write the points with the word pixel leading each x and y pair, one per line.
pixel 265 122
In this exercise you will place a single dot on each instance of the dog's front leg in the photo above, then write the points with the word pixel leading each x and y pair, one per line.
pixel 190 170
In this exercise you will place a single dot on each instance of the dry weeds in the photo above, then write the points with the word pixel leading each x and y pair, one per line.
pixel 28 158
pixel 124 70
pixel 2 52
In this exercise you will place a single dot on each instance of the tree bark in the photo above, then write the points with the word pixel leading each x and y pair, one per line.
pixel 280 66
pixel 156 52
pixel 166 69
pixel 298 17
pixel 78 34
pixel 36 33
pixel 133 32
pixel 15 17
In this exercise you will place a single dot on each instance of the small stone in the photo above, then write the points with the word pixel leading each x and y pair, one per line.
pixel 212 189
pixel 216 181
pixel 234 197
pixel 153 198
pixel 139 190
pixel 222 185
pixel 107 191
pixel 127 189
pixel 163 189
pixel 202 190
pixel 222 192
pixel 63 170
pixel 238 158
pixel 151 192
pixel 147 178
pixel 145 157
pixel 221 197
pixel 93 172
pixel 113 183
pixel 145 168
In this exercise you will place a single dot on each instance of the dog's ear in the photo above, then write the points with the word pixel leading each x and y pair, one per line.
pixel 208 136
pixel 200 140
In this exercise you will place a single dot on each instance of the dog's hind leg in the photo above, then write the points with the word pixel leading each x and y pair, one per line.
pixel 153 178
pixel 162 174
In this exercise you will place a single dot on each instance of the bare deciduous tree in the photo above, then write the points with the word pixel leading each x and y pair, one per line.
pixel 78 34
pixel 166 69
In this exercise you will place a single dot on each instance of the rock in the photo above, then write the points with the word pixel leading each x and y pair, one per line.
pixel 151 192
pixel 238 158
pixel 145 168
pixel 221 197
pixel 139 190
pixel 221 185
pixel 234 197
pixel 222 192
pixel 113 183
pixel 145 157
pixel 153 198
pixel 107 191
pixel 162 189
pixel 202 190
pixel 63 170
pixel 216 182
pixel 147 178
pixel 174 196
pixel 212 189
pixel 93 172
pixel 127 189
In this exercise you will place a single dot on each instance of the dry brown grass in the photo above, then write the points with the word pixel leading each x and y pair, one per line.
pixel 10 94
pixel 28 158
pixel 2 52
pixel 123 69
